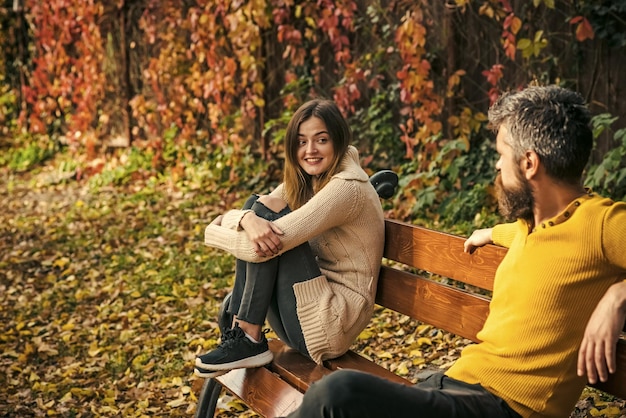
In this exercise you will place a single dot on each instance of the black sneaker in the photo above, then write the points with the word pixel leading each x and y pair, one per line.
pixel 236 351
pixel 208 374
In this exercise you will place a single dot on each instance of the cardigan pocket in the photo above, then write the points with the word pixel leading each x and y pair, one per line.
pixel 348 308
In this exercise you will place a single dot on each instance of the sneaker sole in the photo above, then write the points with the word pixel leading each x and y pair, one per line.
pixel 208 374
pixel 246 363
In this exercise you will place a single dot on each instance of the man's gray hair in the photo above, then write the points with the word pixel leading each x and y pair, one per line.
pixel 553 122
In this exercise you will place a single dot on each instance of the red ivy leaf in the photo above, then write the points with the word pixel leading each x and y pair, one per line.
pixel 584 30
pixel 494 74
pixel 512 23
pixel 506 5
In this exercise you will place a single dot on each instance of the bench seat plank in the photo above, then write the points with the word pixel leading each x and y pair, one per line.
pixel 354 361
pixel 296 369
pixel 263 391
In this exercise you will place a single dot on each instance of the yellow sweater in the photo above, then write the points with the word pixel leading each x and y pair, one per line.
pixel 545 290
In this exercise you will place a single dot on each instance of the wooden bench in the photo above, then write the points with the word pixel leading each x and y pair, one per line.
pixel 277 389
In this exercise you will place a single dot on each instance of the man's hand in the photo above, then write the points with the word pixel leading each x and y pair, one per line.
pixel 264 235
pixel 478 238
pixel 596 356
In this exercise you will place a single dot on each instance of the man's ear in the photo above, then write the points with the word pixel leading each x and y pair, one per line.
pixel 530 164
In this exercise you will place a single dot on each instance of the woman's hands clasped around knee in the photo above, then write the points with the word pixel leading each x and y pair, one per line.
pixel 264 235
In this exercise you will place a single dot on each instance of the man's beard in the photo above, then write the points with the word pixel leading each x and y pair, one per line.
pixel 515 202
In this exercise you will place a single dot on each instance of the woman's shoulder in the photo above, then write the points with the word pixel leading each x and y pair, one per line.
pixel 350 168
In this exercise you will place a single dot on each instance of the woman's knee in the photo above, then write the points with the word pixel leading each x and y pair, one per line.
pixel 273 203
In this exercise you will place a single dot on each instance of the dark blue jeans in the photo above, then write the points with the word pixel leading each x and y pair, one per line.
pixel 265 290
pixel 349 393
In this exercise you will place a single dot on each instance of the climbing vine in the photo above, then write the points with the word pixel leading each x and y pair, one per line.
pixel 66 81
pixel 218 80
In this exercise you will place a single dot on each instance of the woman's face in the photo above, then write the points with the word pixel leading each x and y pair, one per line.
pixel 315 147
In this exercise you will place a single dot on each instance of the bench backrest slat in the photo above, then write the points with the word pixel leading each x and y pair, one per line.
pixel 441 254
pixel 443 306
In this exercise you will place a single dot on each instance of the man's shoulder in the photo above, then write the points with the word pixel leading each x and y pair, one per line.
pixel 598 202
pixel 610 213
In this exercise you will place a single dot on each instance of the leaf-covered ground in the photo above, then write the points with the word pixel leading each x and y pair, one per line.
pixel 107 295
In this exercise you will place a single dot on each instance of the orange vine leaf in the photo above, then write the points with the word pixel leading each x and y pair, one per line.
pixel 584 30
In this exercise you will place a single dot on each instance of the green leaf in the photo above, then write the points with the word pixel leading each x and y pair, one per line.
pixel 524 44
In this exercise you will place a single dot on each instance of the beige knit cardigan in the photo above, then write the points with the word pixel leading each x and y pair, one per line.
pixel 344 224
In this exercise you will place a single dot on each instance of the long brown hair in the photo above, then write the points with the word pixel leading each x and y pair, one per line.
pixel 300 186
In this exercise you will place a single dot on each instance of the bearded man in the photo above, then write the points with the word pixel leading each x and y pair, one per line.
pixel 559 298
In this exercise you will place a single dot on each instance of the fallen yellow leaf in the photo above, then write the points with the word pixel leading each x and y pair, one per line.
pixel 402 369
pixel 384 354
pixel 61 262
pixel 94 350
pixel 177 402
pixel 424 341
pixel 68 327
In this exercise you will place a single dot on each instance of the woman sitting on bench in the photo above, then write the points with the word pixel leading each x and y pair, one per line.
pixel 308 254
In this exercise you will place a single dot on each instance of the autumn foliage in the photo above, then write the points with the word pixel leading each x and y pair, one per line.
pixel 174 110
pixel 183 81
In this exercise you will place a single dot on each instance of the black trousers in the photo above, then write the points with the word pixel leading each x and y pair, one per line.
pixel 349 393
pixel 265 290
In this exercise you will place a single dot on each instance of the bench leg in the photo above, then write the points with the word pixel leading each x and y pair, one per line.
pixel 212 388
pixel 208 399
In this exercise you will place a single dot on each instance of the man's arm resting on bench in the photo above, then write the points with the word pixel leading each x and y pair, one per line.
pixel 596 357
